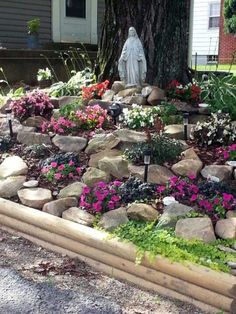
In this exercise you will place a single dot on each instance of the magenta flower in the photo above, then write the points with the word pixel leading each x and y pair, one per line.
pixel 57 176
pixel 61 167
pixel 71 163
pixel 45 170
pixel 193 197
pixel 101 185
pixel 227 197
pixel 161 189
pixel 97 206
pixel 117 183
pixel 78 169
pixel 54 164
pixel 192 177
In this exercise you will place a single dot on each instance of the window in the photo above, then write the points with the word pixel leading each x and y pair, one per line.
pixel 212 59
pixel 76 8
pixel 214 16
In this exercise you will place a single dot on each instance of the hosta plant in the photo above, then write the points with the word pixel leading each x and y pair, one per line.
pixel 32 104
pixel 218 129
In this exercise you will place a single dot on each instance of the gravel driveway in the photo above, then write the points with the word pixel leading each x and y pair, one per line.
pixel 34 280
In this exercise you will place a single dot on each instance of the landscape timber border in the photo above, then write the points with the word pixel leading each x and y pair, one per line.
pixel 201 286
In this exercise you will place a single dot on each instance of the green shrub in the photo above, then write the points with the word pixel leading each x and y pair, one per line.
pixel 66 110
pixel 163 149
pixel 169 114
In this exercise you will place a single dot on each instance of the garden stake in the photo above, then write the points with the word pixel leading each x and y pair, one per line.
pixel 185 121
pixel 147 160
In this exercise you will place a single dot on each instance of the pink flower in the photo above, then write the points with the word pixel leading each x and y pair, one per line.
pixel 57 176
pixel 45 170
pixel 71 163
pixel 226 154
pixel 117 183
pixel 101 185
pixel 192 177
pixel 78 169
pixel 111 205
pixel 54 164
pixel 71 175
pixel 86 190
pixel 97 206
pixel 194 197
pixel 216 201
pixel 61 167
pixel 99 196
pixel 227 197
pixel 115 198
pixel 161 189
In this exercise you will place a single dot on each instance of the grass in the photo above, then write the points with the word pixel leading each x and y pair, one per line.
pixel 219 67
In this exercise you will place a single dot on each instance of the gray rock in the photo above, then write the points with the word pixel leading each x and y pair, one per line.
pixel 190 154
pixel 95 158
pixel 13 166
pixel 73 190
pixel 35 197
pixel 57 207
pixel 157 95
pixel 146 91
pixel 195 228
pixel 226 228
pixel 69 143
pixel 116 166
pixel 143 212
pixel 101 142
pixel 79 216
pixel 156 174
pixel 31 138
pixel 172 213
pixel 137 99
pixel 34 122
pixel 231 214
pixel 108 95
pixel 187 167
pixel 177 130
pixel 94 175
pixel 127 136
pixel 118 86
pixel 221 172
pixel 113 219
pixel 11 185
pixel 31 184
pixel 56 113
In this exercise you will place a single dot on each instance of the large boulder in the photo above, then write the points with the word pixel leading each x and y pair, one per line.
pixel 57 207
pixel 118 86
pixel 195 228
pixel 35 197
pixel 113 219
pixel 226 228
pixel 156 174
pixel 72 190
pixel 172 213
pixel 101 142
pixel 129 92
pixel 78 215
pixel 116 166
pixel 35 122
pixel 221 172
pixel 190 154
pixel 136 99
pixel 187 167
pixel 11 185
pixel 108 95
pixel 94 175
pixel 143 212
pixel 13 166
pixel 146 91
pixel 95 158
pixel 177 131
pixel 69 143
pixel 156 97
pixel 129 137
pixel 31 138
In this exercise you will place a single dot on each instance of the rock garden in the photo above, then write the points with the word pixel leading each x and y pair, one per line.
pixel 149 166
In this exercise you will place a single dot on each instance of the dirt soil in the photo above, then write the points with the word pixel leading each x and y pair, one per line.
pixel 42 267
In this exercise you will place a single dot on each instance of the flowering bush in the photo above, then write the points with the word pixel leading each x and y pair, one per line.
pixel 58 172
pixel 190 92
pixel 228 153
pixel 139 117
pixel 58 126
pixel 185 190
pixel 101 198
pixel 33 104
pixel 217 130
pixel 95 91
pixel 90 118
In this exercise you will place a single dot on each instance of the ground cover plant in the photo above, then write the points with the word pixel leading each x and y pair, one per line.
pixel 150 239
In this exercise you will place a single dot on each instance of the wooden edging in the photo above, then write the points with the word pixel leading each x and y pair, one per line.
pixel 193 282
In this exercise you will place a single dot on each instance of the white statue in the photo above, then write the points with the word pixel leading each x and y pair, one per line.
pixel 132 63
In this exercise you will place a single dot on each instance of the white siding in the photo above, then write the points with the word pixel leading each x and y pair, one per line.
pixel 205 39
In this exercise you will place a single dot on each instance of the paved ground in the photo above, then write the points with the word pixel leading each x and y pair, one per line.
pixel 34 280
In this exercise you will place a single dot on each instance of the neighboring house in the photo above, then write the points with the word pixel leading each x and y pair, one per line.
pixel 227 44
pixel 206 26
pixel 61 21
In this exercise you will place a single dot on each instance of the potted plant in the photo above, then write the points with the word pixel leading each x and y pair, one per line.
pixel 44 78
pixel 33 33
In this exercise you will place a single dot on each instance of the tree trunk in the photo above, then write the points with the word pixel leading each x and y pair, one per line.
pixel 163 27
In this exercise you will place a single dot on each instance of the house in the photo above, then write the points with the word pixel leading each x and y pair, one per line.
pixel 227 42
pixel 206 29
pixel 61 21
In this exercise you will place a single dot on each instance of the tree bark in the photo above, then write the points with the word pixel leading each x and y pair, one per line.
pixel 163 27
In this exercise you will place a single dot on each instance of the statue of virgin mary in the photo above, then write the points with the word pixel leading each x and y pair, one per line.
pixel 132 65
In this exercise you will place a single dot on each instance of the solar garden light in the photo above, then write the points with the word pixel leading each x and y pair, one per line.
pixel 114 110
pixel 185 122
pixel 147 161
pixel 9 119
